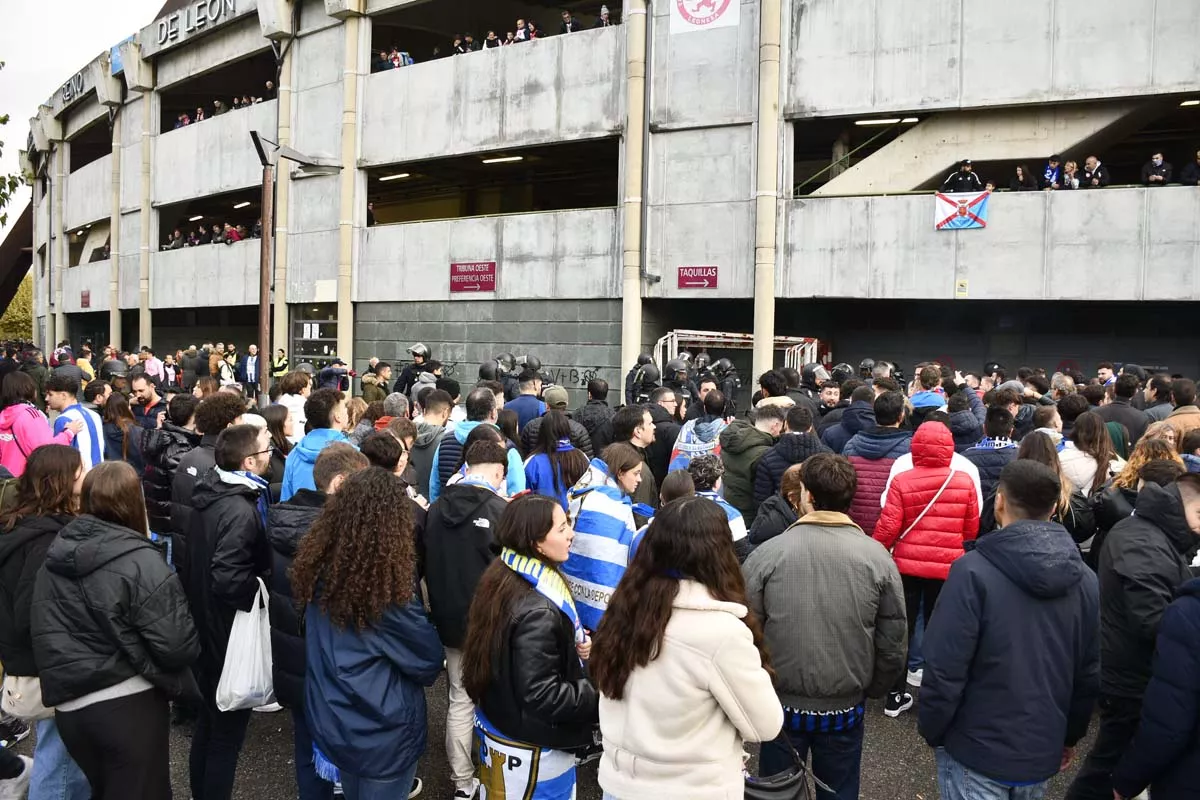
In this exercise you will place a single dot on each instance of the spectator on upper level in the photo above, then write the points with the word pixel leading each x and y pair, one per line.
pixel 1052 173
pixel 382 63
pixel 1191 173
pixel 237 103
pixel 231 234
pixel 176 240
pixel 218 236
pixel 1095 174
pixel 268 91
pixel 1022 180
pixel 491 41
pixel 569 24
pixel 534 31
pixel 965 180
pixel 470 42
pixel 604 21
pixel 458 46
pixel 509 38
pixel 1070 179
pixel 522 34
pixel 219 108
pixel 1156 172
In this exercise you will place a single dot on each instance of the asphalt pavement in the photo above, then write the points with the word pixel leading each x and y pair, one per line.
pixel 897 764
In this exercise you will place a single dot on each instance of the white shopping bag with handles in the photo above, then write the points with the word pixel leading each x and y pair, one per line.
pixel 246 677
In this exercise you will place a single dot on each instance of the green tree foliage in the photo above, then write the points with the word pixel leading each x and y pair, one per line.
pixel 9 184
pixel 17 322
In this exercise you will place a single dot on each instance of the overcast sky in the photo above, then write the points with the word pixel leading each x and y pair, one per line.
pixel 45 42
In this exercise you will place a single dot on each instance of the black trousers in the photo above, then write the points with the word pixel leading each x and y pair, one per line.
pixel 1119 718
pixel 122 746
pixel 216 743
pixel 916 592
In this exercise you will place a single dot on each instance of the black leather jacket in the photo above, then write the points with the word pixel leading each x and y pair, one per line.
pixel 539 693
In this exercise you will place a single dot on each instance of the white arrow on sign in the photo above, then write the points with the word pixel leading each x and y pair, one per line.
pixel 702 284
pixel 471 287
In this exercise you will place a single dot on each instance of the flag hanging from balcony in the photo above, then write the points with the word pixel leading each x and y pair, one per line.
pixel 955 212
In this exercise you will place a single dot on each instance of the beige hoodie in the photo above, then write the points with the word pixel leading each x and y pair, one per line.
pixel 678 732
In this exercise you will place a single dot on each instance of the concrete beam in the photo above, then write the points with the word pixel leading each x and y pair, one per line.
pixel 50 125
pixel 108 86
pixel 927 151
pixel 275 19
pixel 342 9
pixel 139 73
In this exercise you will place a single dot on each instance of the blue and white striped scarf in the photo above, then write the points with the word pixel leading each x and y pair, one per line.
pixel 546 582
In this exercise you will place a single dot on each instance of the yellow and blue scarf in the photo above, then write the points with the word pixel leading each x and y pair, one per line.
pixel 547 582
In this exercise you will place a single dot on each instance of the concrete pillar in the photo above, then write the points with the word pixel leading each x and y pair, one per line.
pixel 635 128
pixel 841 149
pixel 149 115
pixel 348 210
pixel 767 186
pixel 114 239
pixel 283 192
pixel 62 253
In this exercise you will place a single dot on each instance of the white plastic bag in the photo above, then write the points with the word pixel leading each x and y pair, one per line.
pixel 246 677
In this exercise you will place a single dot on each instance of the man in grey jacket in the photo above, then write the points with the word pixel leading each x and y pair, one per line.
pixel 813 587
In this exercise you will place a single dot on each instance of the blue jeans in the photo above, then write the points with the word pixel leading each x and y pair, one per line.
pixel 915 660
pixel 836 759
pixel 956 782
pixel 311 786
pixel 356 788
pixel 55 775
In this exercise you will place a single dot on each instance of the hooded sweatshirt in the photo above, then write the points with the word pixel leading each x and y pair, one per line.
pixel 420 459
pixel 22 553
pixel 858 417
pixel 1012 655
pixel 743 447
pixel 24 429
pixel 698 437
pixel 602 516
pixel 298 473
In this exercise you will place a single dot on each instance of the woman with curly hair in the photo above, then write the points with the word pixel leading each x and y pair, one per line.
pixel 679 661
pixel 369 646
pixel 523 659
pixel 1162 430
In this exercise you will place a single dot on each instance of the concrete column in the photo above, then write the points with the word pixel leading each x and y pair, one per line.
pixel 283 191
pixel 348 210
pixel 841 149
pixel 635 124
pixel 62 253
pixel 766 191
pixel 149 114
pixel 114 239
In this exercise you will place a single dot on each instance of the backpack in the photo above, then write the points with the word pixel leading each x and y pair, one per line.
pixel 8 492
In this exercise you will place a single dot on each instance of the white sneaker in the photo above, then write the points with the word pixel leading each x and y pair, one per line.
pixel 417 786
pixel 915 676
pixel 15 788
pixel 269 708
pixel 467 794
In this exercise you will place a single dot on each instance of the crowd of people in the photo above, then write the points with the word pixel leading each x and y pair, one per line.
pixel 226 233
pixel 219 107
pixel 654 583
pixel 1060 175
pixel 525 30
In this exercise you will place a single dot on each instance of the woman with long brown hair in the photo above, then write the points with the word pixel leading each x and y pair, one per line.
pixel 1088 459
pixel 679 661
pixel 369 646
pixel 205 386
pixel 113 639
pixel 122 434
pixel 523 659
pixel 47 499
pixel 1073 510
pixel 281 427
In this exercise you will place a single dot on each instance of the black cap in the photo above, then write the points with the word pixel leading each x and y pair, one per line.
pixel 966 162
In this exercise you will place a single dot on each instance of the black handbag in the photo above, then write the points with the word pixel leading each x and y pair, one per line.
pixel 791 784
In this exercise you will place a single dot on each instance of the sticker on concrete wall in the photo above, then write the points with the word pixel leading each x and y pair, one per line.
pixel 692 277
pixel 689 16
pixel 472 276
pixel 961 291
pixel 85 299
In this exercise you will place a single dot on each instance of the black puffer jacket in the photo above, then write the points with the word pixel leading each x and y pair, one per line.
pixel 286 525
pixel 580 438
pixel 457 545
pixel 227 552
pixel 1142 562
pixel 107 608
pixel 793 448
pixel 162 449
pixel 22 553
pixel 539 693
pixel 666 431
pixel 775 516
pixel 188 472
pixel 593 415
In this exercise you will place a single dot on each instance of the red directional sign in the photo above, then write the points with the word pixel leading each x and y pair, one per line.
pixel 698 277
pixel 473 276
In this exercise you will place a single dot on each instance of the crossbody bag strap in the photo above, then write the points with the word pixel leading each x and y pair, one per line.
pixel 925 511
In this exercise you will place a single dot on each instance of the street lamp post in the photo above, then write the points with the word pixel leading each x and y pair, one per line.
pixel 269 153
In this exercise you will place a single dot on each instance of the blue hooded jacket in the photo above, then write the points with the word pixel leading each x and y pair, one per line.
pixel 298 469
pixel 364 696
pixel 1012 656
pixel 859 417
pixel 697 438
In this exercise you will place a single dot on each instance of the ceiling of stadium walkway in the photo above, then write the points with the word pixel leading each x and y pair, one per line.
pixel 419 28
pixel 248 76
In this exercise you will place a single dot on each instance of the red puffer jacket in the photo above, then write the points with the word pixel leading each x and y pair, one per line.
pixel 937 540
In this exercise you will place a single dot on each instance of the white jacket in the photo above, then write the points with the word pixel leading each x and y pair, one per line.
pixel 678 732
pixel 1080 468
